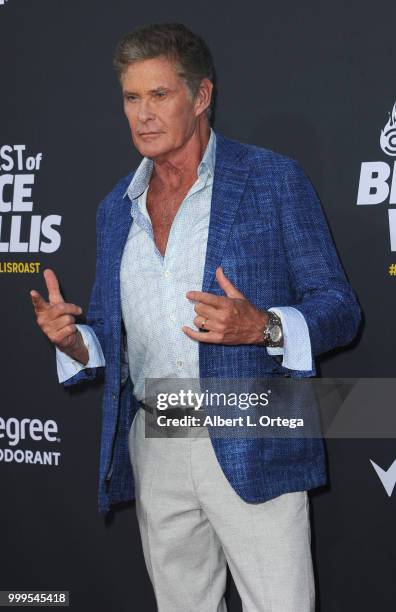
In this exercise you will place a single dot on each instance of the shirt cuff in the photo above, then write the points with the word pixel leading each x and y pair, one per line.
pixel 67 366
pixel 296 350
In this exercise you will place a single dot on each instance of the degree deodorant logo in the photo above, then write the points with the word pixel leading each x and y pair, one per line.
pixel 377 181
pixel 29 440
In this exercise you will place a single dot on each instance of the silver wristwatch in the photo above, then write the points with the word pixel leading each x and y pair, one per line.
pixel 273 333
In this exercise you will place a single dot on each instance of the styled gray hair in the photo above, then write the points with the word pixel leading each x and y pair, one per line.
pixel 189 52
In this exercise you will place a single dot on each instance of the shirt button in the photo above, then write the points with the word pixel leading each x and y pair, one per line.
pixel 172 318
pixel 168 274
pixel 179 363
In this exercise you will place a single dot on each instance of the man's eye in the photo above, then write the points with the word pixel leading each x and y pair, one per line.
pixel 160 94
pixel 130 98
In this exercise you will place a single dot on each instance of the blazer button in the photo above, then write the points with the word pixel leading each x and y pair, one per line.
pixel 114 396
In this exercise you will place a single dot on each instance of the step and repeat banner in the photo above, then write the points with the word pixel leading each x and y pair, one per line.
pixel 312 80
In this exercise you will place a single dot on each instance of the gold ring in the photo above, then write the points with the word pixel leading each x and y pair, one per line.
pixel 203 322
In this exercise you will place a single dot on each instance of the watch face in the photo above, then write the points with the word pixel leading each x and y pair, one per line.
pixel 275 333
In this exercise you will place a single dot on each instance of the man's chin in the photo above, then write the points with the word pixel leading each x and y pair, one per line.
pixel 151 149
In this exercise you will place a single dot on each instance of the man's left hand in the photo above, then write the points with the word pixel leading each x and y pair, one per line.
pixel 229 319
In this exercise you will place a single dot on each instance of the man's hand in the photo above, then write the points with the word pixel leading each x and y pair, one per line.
pixel 229 320
pixel 56 318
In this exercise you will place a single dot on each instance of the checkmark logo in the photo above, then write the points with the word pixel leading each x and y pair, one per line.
pixel 387 477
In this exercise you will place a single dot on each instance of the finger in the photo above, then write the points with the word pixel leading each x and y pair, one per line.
pixel 60 322
pixel 229 289
pixel 38 301
pixel 60 336
pixel 63 308
pixel 209 337
pixel 206 311
pixel 68 340
pixel 54 294
pixel 209 324
pixel 217 301
pixel 202 323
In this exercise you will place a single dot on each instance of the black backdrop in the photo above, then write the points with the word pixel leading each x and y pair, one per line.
pixel 313 80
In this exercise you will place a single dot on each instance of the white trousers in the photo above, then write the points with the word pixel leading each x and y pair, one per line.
pixel 192 524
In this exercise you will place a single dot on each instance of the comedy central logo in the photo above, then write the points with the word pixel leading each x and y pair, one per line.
pixel 377 181
pixel 388 134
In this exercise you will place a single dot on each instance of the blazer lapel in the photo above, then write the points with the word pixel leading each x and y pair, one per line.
pixel 230 175
pixel 121 221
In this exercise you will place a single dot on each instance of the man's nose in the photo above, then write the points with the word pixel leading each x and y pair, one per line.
pixel 145 111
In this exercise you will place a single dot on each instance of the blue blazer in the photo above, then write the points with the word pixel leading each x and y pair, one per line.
pixel 268 232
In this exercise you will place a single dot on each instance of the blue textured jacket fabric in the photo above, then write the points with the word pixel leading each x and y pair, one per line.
pixel 268 232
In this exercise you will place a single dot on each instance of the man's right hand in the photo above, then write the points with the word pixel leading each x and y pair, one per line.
pixel 56 318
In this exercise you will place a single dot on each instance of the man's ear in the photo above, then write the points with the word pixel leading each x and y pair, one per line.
pixel 204 96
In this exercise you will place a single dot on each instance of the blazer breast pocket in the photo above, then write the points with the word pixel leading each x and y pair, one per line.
pixel 250 240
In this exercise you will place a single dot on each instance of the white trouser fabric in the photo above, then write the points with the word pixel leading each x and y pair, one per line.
pixel 192 524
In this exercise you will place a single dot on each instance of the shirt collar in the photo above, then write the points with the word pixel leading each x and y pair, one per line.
pixel 141 178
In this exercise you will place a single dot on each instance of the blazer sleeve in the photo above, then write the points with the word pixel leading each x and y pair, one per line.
pixel 95 308
pixel 323 294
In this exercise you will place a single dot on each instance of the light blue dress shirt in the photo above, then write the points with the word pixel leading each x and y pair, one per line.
pixel 153 287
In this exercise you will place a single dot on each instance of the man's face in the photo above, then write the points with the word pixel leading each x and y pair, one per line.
pixel 158 106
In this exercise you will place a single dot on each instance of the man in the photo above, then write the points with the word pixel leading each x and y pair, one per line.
pixel 215 235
